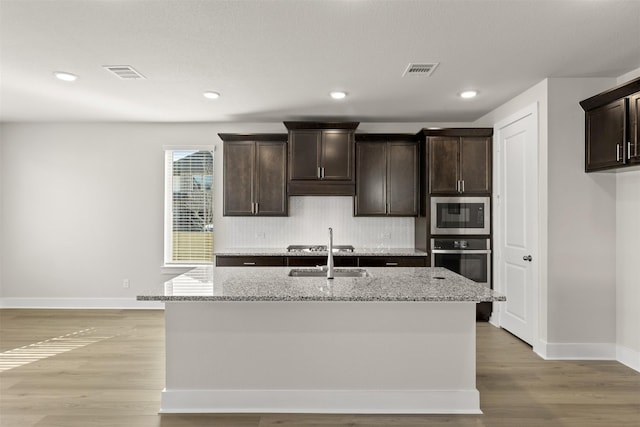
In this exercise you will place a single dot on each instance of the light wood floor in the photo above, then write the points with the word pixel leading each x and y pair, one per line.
pixel 115 379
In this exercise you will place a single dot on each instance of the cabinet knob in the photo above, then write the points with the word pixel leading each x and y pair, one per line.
pixel 527 258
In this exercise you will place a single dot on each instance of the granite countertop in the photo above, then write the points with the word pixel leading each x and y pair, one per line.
pixel 407 252
pixel 425 284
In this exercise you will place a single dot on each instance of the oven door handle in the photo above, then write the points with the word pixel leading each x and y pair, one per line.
pixel 456 251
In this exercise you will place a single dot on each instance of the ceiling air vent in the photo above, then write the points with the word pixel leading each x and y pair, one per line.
pixel 125 72
pixel 420 69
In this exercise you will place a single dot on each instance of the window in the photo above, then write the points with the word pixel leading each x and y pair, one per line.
pixel 189 206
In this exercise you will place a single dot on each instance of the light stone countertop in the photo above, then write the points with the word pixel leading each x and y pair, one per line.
pixel 407 252
pixel 406 284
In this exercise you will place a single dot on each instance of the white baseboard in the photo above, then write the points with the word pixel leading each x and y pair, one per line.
pixel 577 351
pixel 322 401
pixel 628 357
pixel 80 303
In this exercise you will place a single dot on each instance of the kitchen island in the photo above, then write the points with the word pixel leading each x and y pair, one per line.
pixel 401 340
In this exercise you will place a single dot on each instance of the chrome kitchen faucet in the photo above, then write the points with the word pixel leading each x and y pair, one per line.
pixel 330 255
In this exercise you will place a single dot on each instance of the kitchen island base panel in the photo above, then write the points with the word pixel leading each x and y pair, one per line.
pixel 320 357
pixel 320 402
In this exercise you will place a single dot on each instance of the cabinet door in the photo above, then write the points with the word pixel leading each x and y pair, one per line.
pixel 443 164
pixel 391 261
pixel 337 155
pixel 238 172
pixel 402 178
pixel 271 179
pixel 605 136
pixel 304 154
pixel 371 179
pixel 250 261
pixel 475 165
pixel 634 128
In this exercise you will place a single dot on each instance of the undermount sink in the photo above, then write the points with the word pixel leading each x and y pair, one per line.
pixel 338 272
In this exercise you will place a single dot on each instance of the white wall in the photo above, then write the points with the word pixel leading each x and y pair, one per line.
pixel 1 204
pixel 82 207
pixel 628 279
pixel 581 218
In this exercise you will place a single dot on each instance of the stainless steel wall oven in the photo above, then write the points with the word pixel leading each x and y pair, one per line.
pixel 469 257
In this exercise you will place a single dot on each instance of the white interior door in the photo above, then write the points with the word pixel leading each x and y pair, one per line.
pixel 516 228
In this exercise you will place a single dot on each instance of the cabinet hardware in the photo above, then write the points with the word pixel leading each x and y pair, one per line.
pixel 257 208
pixel 319 172
pixel 253 208
pixel 248 263
pixel 527 258
pixel 462 185
pixel 386 208
pixel 322 176
pixel 391 264
pixel 618 157
pixel 457 186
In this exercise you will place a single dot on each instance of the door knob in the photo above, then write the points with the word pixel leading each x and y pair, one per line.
pixel 527 258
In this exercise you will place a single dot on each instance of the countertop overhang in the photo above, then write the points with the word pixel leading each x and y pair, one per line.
pixel 400 284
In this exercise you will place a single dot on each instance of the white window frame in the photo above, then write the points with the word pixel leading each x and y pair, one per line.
pixel 168 201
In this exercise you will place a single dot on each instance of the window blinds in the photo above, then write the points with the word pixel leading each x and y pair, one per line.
pixel 190 173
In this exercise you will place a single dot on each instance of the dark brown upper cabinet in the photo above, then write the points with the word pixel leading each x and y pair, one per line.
pixel 387 176
pixel 612 134
pixel 459 161
pixel 634 129
pixel 255 171
pixel 321 158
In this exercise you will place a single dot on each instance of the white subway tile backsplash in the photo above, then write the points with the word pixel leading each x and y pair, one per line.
pixel 307 223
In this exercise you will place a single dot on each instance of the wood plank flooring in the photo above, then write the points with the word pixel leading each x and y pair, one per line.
pixel 117 382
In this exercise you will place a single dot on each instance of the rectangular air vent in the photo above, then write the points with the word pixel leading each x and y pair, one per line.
pixel 125 72
pixel 421 69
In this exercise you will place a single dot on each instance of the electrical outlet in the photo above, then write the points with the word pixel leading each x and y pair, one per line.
pixel 125 283
pixel 261 235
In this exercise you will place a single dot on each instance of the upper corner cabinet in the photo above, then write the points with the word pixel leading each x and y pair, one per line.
pixel 459 161
pixel 255 170
pixel 321 158
pixel 612 133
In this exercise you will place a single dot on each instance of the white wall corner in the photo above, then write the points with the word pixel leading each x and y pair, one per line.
pixel 577 351
pixel 81 303
pixel 628 357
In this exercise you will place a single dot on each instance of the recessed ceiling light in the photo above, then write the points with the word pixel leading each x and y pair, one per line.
pixel 67 77
pixel 468 94
pixel 338 95
pixel 211 95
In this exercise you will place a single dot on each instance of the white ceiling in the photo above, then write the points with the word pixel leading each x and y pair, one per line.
pixel 275 60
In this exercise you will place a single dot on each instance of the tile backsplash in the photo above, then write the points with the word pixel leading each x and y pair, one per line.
pixel 308 222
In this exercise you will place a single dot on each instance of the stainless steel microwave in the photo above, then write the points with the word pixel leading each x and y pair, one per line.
pixel 460 215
